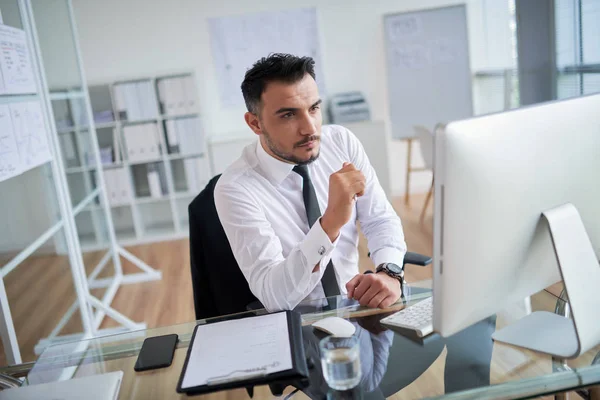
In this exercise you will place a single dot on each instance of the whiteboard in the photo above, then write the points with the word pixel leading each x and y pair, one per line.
pixel 429 77
pixel 237 42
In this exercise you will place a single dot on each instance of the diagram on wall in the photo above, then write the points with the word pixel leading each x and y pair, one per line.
pixel 16 72
pixel 239 41
pixel 23 138
pixel 10 162
pixel 30 134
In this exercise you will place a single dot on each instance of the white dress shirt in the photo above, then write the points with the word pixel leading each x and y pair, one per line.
pixel 260 204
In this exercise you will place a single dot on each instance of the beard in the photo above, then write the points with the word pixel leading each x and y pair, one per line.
pixel 290 157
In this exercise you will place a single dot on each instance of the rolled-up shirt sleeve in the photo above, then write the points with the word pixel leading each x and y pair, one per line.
pixel 279 282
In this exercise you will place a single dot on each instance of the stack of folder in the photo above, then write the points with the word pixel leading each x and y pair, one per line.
pixel 118 187
pixel 135 101
pixel 142 142
pixel 177 95
pixel 184 136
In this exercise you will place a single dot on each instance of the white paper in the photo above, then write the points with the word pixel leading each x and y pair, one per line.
pixel 231 349
pixel 237 42
pixel 30 134
pixel 10 162
pixel 15 62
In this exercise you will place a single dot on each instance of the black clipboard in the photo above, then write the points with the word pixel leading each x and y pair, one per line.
pixel 298 372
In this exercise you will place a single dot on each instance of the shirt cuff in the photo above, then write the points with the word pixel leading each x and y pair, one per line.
pixel 316 245
pixel 388 255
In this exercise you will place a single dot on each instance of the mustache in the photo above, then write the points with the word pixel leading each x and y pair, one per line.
pixel 308 139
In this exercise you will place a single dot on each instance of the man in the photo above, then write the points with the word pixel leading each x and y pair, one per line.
pixel 289 205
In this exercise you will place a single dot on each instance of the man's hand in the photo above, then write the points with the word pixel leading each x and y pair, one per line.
pixel 344 185
pixel 374 290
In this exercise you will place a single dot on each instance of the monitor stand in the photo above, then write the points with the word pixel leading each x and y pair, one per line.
pixel 551 333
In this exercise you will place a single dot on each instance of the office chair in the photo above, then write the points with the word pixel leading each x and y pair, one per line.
pixel 218 284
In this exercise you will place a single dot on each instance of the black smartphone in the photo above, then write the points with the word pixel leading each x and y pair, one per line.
pixel 156 352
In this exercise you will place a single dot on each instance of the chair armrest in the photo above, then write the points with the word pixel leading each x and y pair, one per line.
pixel 416 259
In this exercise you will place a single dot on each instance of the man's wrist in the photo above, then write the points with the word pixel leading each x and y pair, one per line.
pixel 388 278
pixel 330 230
pixel 392 270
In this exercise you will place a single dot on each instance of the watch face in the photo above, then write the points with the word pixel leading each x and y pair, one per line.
pixel 394 268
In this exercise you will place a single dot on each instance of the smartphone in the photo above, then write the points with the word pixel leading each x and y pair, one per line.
pixel 156 352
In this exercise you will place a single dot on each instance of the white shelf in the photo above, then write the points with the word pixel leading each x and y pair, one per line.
pixel 127 235
pixel 113 165
pixel 70 95
pixel 148 200
pixel 150 161
pixel 74 170
pixel 88 241
pixel 177 156
pixel 72 129
pixel 104 125
pixel 85 128
pixel 184 195
pixel 143 219
pixel 139 121
pixel 159 230
pixel 175 116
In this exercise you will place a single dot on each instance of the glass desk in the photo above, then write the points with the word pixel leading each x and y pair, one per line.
pixel 467 365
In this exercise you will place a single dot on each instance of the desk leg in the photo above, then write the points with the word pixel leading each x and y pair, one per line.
pixel 408 171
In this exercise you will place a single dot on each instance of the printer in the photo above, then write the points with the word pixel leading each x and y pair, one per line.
pixel 348 107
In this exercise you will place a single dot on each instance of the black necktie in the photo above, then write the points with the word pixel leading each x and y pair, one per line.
pixel 330 284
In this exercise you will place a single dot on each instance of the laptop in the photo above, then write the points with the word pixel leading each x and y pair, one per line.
pixel 95 387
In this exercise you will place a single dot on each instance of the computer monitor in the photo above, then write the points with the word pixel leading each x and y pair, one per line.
pixel 495 176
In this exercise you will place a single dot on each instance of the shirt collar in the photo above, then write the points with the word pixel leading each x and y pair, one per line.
pixel 276 170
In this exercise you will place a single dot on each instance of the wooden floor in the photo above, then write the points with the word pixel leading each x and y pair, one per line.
pixel 40 290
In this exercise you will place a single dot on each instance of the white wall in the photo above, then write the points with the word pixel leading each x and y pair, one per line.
pixel 126 39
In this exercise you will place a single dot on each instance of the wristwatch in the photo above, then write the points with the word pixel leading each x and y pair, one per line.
pixel 392 270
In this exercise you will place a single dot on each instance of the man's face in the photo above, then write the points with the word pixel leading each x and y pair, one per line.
pixel 289 120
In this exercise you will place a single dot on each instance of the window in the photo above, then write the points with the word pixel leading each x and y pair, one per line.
pixel 577 47
pixel 496 84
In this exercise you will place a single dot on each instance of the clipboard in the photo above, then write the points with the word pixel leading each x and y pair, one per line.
pixel 297 373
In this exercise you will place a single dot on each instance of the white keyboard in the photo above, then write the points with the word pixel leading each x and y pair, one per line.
pixel 418 317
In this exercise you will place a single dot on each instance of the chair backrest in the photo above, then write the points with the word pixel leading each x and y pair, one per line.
pixel 426 142
pixel 219 286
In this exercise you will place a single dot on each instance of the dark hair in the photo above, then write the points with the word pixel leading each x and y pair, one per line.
pixel 276 67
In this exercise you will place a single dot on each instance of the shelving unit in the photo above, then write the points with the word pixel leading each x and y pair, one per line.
pixel 164 104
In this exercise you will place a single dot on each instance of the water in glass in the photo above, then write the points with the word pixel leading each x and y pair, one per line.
pixel 341 365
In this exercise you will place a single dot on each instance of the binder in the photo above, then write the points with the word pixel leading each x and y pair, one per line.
pixel 172 140
pixel 169 96
pixel 132 102
pixel 154 182
pixel 120 105
pixel 116 146
pixel 125 194
pixel 190 95
pixel 297 373
pixel 162 106
pixel 112 187
pixel 131 147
